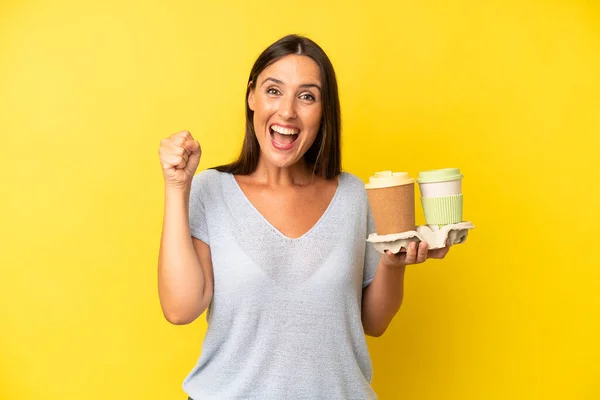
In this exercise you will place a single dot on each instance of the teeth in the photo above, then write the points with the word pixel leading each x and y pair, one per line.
pixel 284 131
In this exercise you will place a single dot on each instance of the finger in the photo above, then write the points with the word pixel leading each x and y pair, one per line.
pixel 178 141
pixel 181 164
pixel 195 154
pixel 178 150
pixel 422 252
pixel 411 253
pixel 191 146
pixel 400 253
pixel 185 157
pixel 439 253
pixel 397 258
pixel 171 160
pixel 186 135
pixel 173 156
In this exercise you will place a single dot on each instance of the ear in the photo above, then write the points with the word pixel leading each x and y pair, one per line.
pixel 251 97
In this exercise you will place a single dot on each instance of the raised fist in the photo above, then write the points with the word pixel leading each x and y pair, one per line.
pixel 179 158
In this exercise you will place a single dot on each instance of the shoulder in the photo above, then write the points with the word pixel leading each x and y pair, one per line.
pixel 206 178
pixel 352 182
pixel 206 184
pixel 353 190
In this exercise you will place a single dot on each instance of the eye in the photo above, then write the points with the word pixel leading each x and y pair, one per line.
pixel 273 91
pixel 307 96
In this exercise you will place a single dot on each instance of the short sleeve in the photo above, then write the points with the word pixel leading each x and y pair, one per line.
pixel 197 217
pixel 372 256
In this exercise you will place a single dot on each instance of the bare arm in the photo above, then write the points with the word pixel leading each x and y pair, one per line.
pixel 383 297
pixel 185 273
pixel 185 279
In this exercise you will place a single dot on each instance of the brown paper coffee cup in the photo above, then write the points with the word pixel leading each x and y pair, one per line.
pixel 392 201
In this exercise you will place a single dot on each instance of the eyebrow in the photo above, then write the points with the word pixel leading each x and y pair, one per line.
pixel 306 85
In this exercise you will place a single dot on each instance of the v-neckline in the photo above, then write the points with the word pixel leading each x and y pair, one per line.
pixel 270 225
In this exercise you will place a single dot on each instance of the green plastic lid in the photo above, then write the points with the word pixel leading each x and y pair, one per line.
pixel 439 175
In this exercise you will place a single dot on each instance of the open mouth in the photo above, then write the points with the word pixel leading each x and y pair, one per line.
pixel 283 138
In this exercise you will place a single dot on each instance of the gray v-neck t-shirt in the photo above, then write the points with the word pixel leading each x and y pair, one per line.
pixel 285 318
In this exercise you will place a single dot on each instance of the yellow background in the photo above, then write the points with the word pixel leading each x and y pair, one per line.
pixel 508 91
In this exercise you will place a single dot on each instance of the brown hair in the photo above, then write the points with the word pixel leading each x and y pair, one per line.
pixel 324 156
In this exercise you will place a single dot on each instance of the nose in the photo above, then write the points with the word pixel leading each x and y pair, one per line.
pixel 287 107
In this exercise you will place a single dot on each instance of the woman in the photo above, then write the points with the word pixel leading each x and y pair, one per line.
pixel 274 246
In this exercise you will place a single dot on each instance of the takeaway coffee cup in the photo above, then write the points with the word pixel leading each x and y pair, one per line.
pixel 441 196
pixel 392 200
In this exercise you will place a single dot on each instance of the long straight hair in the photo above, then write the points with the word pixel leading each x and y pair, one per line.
pixel 324 156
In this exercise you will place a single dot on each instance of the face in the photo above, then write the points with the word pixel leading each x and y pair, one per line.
pixel 287 106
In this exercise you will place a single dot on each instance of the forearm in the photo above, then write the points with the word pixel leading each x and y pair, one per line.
pixel 382 298
pixel 180 276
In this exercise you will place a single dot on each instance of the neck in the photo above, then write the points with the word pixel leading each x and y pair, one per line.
pixel 298 174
